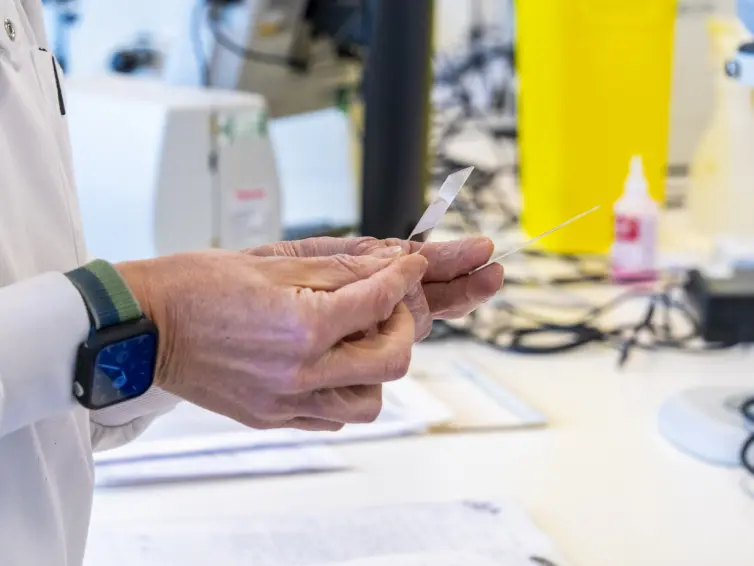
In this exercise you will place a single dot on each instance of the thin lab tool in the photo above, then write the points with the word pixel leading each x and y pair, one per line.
pixel 502 256
pixel 445 197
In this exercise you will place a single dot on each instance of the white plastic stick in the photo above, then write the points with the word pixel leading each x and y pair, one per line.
pixel 502 256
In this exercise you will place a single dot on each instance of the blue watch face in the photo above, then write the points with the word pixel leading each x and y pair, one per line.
pixel 124 369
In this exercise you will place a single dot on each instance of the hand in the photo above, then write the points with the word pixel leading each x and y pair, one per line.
pixel 447 290
pixel 265 341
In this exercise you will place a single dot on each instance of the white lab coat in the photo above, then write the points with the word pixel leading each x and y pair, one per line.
pixel 46 439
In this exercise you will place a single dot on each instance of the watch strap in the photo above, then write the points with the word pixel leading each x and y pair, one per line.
pixel 107 296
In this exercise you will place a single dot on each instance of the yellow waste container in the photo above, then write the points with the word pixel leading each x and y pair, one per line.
pixel 595 80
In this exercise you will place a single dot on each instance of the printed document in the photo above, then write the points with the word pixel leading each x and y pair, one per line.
pixel 471 533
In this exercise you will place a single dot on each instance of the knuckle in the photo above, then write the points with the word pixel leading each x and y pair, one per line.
pixel 372 411
pixel 393 242
pixel 285 249
pixel 447 254
pixel 347 263
pixel 398 364
pixel 424 330
pixel 290 382
pixel 310 338
pixel 311 335
pixel 365 245
pixel 383 303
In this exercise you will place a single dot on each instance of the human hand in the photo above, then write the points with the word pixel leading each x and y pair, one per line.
pixel 447 290
pixel 270 342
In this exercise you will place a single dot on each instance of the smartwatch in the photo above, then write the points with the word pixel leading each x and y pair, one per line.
pixel 117 361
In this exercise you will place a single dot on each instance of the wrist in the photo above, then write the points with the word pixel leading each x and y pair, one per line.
pixel 117 360
pixel 139 276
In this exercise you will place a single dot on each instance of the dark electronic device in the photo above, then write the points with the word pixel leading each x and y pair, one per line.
pixel 127 61
pixel 348 23
pixel 723 306
pixel 117 360
pixel 116 364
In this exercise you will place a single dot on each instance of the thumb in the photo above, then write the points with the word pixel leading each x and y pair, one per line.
pixel 366 303
pixel 332 272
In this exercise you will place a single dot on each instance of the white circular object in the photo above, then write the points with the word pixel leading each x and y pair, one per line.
pixel 707 423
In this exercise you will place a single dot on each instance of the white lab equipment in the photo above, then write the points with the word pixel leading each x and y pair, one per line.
pixel 741 66
pixel 708 423
pixel 164 169
pixel 173 40
pixel 719 193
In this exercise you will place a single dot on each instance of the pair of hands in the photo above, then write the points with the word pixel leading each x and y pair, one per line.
pixel 303 334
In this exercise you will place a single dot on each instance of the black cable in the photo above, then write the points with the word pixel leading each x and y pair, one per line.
pixel 223 40
pixel 586 330
pixel 748 462
pixel 197 21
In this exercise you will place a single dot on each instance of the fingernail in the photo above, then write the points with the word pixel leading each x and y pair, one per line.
pixel 484 243
pixel 387 253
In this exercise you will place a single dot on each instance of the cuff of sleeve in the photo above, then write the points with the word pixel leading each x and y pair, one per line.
pixel 156 401
pixel 44 322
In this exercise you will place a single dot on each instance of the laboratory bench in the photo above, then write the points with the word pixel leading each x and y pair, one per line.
pixel 599 479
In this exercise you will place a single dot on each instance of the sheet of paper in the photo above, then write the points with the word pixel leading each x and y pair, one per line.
pixel 282 461
pixel 483 532
pixel 432 559
pixel 190 430
pixel 476 399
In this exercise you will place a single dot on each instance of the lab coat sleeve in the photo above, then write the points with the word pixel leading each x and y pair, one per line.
pixel 42 322
pixel 120 424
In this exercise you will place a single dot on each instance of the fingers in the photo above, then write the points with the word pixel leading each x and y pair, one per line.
pixel 351 405
pixel 277 249
pixel 365 303
pixel 464 294
pixel 416 302
pixel 313 425
pixel 377 358
pixel 313 247
pixel 447 260
pixel 328 273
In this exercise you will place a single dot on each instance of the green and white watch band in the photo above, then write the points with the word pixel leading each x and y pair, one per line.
pixel 109 300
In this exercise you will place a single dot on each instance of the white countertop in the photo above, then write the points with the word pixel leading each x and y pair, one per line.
pixel 600 480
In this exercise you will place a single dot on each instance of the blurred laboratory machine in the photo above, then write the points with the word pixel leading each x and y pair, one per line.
pixel 292 52
pixel 186 135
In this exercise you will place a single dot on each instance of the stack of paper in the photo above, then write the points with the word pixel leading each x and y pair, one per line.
pixel 216 465
pixel 475 399
pixel 444 393
pixel 191 443
pixel 432 534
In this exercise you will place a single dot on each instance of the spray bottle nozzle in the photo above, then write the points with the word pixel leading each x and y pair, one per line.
pixel 636 184
pixel 637 166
